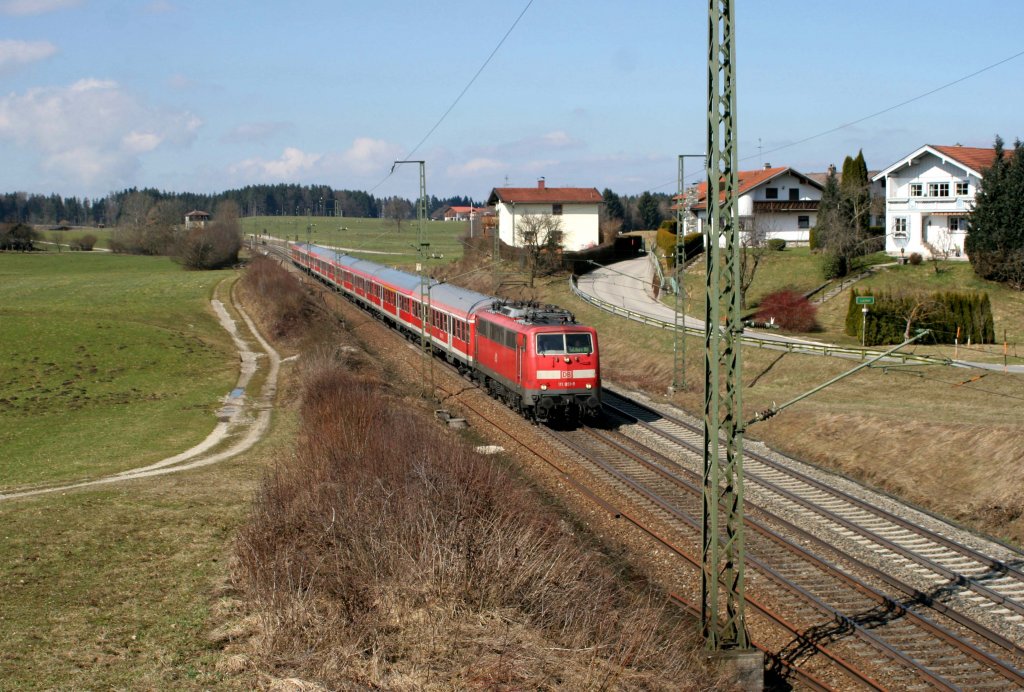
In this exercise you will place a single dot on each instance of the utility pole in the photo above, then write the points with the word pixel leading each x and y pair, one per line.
pixel 683 221
pixel 421 247
pixel 723 552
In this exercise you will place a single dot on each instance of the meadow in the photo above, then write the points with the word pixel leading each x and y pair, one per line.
pixel 380 240
pixel 110 362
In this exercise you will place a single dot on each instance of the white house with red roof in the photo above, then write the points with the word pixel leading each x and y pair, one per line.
pixel 775 202
pixel 577 208
pixel 928 196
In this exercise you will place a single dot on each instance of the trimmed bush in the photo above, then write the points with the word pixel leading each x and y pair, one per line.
pixel 791 310
pixel 693 244
pixel 665 241
pixel 834 266
pixel 915 258
pixel 812 239
pixel 776 244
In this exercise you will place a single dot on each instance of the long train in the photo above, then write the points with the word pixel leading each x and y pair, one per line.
pixel 536 359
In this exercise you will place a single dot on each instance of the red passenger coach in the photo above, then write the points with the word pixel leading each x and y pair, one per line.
pixel 536 359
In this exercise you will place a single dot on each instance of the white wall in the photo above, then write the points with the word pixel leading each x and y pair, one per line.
pixel 580 223
pixel 928 218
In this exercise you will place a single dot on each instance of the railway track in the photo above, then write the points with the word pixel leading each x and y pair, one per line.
pixel 953 623
pixel 862 612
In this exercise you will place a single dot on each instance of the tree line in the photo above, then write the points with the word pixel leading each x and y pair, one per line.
pixel 283 199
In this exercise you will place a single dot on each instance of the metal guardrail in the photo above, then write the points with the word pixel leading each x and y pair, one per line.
pixel 752 340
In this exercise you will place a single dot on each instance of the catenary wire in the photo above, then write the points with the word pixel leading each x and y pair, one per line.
pixel 866 117
pixel 461 94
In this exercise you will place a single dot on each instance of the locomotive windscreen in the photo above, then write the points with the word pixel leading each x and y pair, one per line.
pixel 562 344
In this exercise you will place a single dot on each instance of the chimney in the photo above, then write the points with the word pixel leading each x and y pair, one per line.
pixel 540 183
pixel 767 166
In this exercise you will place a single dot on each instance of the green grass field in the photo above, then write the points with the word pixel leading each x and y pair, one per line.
pixel 110 362
pixel 367 237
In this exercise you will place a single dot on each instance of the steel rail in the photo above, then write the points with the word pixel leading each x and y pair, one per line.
pixel 985 658
pixel 833 613
pixel 956 577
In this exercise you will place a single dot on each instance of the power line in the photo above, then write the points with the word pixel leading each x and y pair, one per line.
pixel 891 108
pixel 868 117
pixel 461 93
pixel 964 385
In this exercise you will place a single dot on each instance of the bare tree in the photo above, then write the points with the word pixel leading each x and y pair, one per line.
pixel 754 248
pixel 215 245
pixel 917 309
pixel 540 236
pixel 398 210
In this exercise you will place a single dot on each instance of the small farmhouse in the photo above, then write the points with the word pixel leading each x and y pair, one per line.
pixel 196 218
pixel 928 196
pixel 773 202
pixel 577 208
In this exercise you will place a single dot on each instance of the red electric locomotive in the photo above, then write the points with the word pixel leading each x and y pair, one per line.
pixel 536 359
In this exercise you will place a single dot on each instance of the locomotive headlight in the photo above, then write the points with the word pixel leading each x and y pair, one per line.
pixel 567 359
pixel 544 388
pixel 590 386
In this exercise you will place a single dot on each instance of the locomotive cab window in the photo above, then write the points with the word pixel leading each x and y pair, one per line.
pixel 562 344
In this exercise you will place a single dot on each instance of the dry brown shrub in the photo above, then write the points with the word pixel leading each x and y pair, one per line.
pixel 387 553
pixel 280 295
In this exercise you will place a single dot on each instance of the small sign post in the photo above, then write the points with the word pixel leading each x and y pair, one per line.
pixel 865 300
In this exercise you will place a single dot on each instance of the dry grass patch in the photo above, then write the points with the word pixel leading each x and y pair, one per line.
pixel 386 553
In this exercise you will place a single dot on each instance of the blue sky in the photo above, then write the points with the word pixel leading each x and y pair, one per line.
pixel 204 96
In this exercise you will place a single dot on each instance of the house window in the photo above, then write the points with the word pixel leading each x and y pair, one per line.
pixel 556 209
pixel 916 189
pixel 803 222
pixel 961 190
pixel 938 189
pixel 957 224
pixel 771 193
pixel 899 227
pixel 794 194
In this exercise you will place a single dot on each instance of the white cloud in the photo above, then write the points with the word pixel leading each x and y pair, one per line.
pixel 92 132
pixel 559 139
pixel 477 166
pixel 141 142
pixel 16 53
pixel 255 132
pixel 367 155
pixel 293 164
pixel 23 8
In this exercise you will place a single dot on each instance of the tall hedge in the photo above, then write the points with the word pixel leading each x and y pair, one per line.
pixel 942 313
pixel 693 243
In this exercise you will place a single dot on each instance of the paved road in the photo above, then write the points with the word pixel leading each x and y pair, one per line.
pixel 627 285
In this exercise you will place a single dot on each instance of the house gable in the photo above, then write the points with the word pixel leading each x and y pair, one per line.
pixel 929 195
pixel 577 207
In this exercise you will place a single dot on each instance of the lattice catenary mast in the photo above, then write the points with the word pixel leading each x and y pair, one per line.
pixel 723 552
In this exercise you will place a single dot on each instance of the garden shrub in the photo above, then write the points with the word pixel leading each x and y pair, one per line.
pixel 834 266
pixel 776 244
pixel 942 313
pixel 791 311
pixel 915 258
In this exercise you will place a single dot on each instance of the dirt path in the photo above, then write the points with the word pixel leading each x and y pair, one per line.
pixel 243 418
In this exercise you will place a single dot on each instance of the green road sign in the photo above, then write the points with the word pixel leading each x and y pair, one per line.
pixel 865 300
